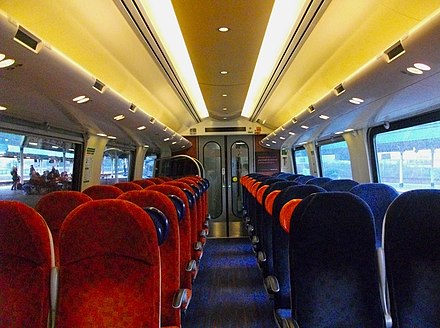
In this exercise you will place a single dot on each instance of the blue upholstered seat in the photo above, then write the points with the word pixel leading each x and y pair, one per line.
pixel 320 181
pixel 412 253
pixel 334 277
pixel 340 185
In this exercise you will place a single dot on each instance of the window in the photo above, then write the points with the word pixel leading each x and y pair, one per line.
pixel 148 168
pixel 408 157
pixel 42 165
pixel 301 161
pixel 115 166
pixel 335 160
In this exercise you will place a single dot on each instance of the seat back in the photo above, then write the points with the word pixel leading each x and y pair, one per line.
pixel 280 241
pixel 128 186
pixel 102 192
pixel 184 232
pixel 54 207
pixel 319 181
pixel 26 257
pixel 379 197
pixel 412 254
pixel 144 183
pixel 302 179
pixel 334 277
pixel 109 267
pixel 339 185
pixel 169 250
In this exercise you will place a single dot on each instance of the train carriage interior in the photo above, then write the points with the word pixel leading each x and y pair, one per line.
pixel 255 163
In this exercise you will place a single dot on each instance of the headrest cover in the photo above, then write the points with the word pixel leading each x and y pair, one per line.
pixel 260 193
pixel 161 223
pixel 254 188
pixel 270 199
pixel 286 213
pixel 190 196
pixel 179 205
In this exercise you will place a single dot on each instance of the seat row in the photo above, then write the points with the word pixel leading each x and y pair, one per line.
pixel 121 260
pixel 329 258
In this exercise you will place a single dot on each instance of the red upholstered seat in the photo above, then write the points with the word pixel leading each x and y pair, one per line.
pixel 184 233
pixel 195 231
pixel 144 183
pixel 109 267
pixel 127 186
pixel 26 257
pixel 156 180
pixel 54 208
pixel 103 192
pixel 169 250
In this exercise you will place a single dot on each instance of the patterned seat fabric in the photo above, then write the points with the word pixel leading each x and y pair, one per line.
pixel 333 271
pixel 412 253
pixel 26 257
pixel 103 192
pixel 339 185
pixel 169 250
pixel 54 207
pixel 109 267
pixel 128 186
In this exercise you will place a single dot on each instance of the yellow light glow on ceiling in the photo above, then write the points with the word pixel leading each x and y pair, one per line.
pixel 281 22
pixel 164 20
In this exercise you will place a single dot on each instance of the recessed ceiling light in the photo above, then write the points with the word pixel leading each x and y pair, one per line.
pixel 183 146
pixel 146 146
pixel 78 98
pixel 274 142
pixel 358 99
pixel 305 127
pixel 2 108
pixel 410 69
pixel 119 117
pixel 166 139
pixel 224 72
pixel 174 142
pixel 224 95
pixel 82 101
pixel 324 117
pixel 224 108
pixel 142 127
pixel 6 63
pixel 268 145
pixel 111 137
pixel 223 29
pixel 102 135
pixel 225 118
pixel 422 66
pixel 292 133
pixel 282 138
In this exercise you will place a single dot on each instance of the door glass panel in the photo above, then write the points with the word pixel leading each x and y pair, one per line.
pixel 213 171
pixel 239 167
pixel 302 161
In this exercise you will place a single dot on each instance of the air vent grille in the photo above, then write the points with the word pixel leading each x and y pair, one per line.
pixel 227 129
pixel 99 86
pixel 133 109
pixel 339 89
pixel 27 39
pixel 395 51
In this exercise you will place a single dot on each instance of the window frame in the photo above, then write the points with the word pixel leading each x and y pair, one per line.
pixel 328 142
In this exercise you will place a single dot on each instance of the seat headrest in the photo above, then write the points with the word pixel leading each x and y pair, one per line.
pixel 160 222
pixel 196 189
pixel 179 205
pixel 191 197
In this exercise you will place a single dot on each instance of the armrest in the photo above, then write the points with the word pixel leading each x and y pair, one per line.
pixel 255 240
pixel 261 256
pixel 272 284
pixel 179 298
pixel 384 295
pixel 191 266
pixel 54 278
pixel 198 246
pixel 203 233
pixel 290 323
pixel 246 219
pixel 250 228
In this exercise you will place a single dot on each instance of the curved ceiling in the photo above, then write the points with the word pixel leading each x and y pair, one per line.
pixel 342 37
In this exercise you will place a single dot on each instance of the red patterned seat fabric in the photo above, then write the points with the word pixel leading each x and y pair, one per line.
pixel 144 183
pixel 184 233
pixel 25 264
pixel 127 186
pixel 54 208
pixel 169 250
pixel 103 192
pixel 109 267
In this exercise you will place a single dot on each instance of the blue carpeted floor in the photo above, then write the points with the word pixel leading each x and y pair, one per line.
pixel 228 291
